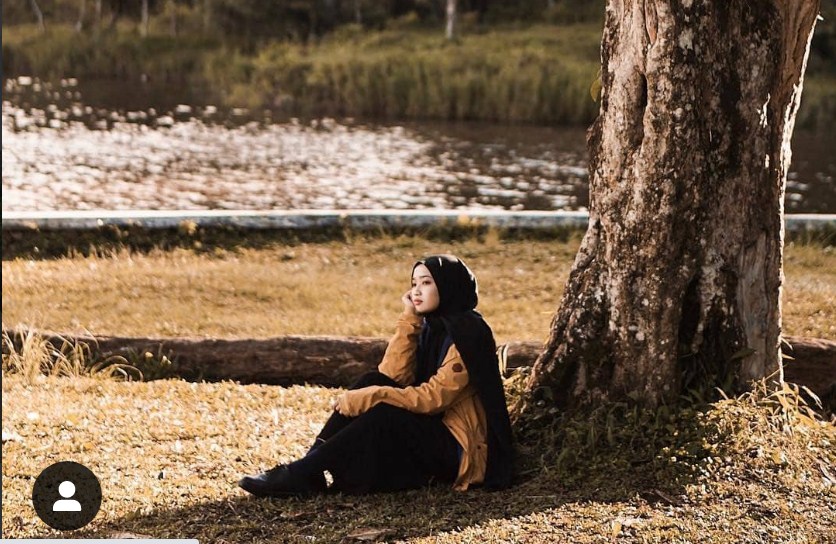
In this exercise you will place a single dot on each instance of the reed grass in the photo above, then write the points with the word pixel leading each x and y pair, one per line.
pixel 116 53
pixel 33 356
pixel 818 102
pixel 538 75
pixel 541 75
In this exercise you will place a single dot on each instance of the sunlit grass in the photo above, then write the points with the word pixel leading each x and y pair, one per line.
pixel 330 288
pixel 333 288
pixel 809 291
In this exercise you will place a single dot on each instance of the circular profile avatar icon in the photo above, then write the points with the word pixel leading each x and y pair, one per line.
pixel 67 496
pixel 66 490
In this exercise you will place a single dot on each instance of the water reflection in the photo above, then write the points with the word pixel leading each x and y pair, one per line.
pixel 62 153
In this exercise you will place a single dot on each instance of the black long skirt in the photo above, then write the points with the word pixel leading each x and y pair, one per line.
pixel 385 449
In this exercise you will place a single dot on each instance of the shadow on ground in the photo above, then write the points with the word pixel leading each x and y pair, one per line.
pixel 38 244
pixel 393 516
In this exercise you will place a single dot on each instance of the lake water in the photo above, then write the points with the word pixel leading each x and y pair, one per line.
pixel 125 146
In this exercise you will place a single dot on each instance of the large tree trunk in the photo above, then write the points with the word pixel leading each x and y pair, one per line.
pixel 678 278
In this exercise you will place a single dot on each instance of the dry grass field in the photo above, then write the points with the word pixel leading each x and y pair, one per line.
pixel 753 469
pixel 168 454
pixel 334 288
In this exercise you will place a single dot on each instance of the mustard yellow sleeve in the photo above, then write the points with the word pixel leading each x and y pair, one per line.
pixel 431 397
pixel 399 360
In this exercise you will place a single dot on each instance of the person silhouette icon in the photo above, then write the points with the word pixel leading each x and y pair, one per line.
pixel 80 495
pixel 66 490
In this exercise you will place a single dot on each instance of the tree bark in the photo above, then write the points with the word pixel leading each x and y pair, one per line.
pixel 358 12
pixel 450 31
pixel 39 15
pixel 143 25
pixel 173 24
pixel 82 13
pixel 677 282
pixel 207 16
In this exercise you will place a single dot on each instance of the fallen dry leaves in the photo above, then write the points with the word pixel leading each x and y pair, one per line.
pixel 154 445
pixel 168 454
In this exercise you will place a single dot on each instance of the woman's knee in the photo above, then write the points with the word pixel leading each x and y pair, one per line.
pixel 373 378
pixel 388 414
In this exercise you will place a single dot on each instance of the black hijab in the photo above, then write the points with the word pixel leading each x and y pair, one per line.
pixel 456 320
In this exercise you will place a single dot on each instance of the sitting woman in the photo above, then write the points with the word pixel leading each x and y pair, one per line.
pixel 434 412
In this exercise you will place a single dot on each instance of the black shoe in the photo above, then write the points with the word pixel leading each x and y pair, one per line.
pixel 281 481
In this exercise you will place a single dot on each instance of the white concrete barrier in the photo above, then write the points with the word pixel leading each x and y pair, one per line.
pixel 311 219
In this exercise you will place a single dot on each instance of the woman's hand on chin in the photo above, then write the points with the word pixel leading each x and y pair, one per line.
pixel 409 307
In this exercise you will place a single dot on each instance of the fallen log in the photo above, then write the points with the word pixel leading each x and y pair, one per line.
pixel 811 362
pixel 286 360
pixel 338 361
pixel 331 361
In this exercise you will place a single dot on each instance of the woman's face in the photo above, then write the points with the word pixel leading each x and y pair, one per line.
pixel 424 292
